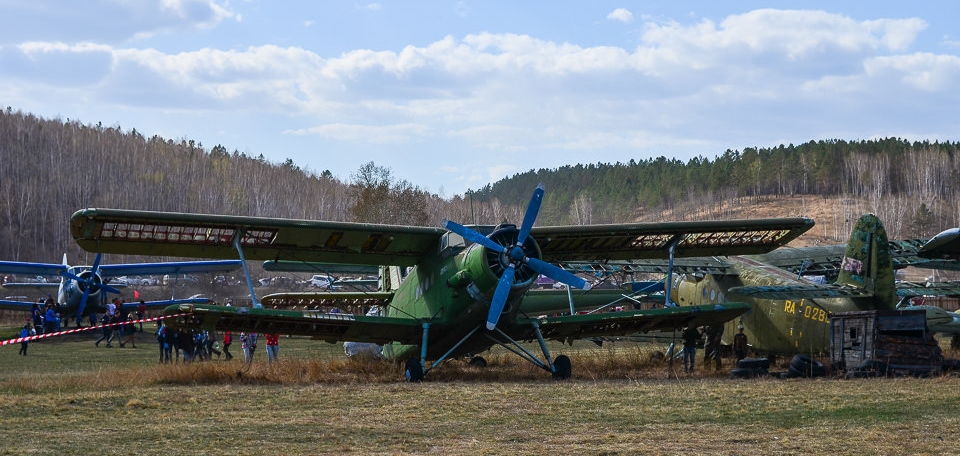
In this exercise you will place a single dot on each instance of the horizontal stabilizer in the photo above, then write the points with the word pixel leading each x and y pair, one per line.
pixel 909 289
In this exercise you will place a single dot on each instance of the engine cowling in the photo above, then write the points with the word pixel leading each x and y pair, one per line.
pixel 485 266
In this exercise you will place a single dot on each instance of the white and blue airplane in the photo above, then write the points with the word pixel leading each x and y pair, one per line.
pixel 81 290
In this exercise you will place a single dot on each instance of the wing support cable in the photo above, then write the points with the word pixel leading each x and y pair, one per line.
pixel 246 272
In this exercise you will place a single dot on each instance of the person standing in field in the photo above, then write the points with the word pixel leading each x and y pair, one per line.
pixel 740 344
pixel 227 340
pixel 24 333
pixel 248 343
pixel 273 346
pixel 690 338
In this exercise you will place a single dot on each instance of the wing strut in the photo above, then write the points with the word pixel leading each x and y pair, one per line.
pixel 246 271
pixel 671 248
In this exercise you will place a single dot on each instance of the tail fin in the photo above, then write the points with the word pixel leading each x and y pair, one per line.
pixel 867 264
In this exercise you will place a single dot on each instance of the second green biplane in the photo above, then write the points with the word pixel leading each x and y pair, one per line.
pixel 453 292
pixel 794 292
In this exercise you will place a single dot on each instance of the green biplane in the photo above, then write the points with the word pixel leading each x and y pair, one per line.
pixel 793 292
pixel 451 292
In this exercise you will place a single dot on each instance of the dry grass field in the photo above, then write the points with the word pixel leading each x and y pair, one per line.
pixel 68 397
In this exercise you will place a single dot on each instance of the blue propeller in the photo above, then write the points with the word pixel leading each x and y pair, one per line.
pixel 517 257
pixel 90 284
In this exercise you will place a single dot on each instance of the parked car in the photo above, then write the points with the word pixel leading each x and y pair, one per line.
pixel 321 281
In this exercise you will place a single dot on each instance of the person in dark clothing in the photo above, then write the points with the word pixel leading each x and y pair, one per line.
pixel 740 344
pixel 25 332
pixel 713 338
pixel 227 340
pixel 690 338
pixel 106 332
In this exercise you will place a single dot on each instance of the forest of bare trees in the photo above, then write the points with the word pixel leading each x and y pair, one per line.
pixel 50 168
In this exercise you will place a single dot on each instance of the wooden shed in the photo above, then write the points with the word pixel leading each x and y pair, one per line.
pixel 885 342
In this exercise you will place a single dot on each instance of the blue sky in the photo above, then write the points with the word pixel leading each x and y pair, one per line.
pixel 454 95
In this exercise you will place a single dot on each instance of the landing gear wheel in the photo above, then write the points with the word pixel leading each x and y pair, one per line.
pixel 563 368
pixel 414 371
pixel 478 361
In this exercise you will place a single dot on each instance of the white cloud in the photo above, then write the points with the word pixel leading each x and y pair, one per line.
pixel 684 87
pixel 106 21
pixel 388 134
pixel 621 14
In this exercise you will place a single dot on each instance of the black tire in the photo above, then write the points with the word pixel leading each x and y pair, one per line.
pixel 742 372
pixel 478 361
pixel 806 366
pixel 754 363
pixel 414 371
pixel 950 365
pixel 563 369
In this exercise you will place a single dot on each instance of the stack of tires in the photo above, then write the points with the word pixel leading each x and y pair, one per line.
pixel 805 366
pixel 750 368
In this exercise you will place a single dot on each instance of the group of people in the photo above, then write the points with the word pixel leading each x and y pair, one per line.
pixel 711 337
pixel 199 345
pixel 191 345
pixel 124 333
pixel 45 317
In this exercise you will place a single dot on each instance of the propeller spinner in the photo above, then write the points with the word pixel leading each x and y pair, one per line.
pixel 90 283
pixel 515 257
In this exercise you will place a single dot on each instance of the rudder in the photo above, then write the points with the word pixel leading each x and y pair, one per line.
pixel 867 262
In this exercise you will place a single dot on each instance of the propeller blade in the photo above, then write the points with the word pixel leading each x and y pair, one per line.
pixel 72 276
pixel 472 236
pixel 108 288
pixel 531 216
pixel 557 274
pixel 500 297
pixel 83 303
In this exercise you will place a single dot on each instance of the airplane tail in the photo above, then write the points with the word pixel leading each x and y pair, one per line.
pixel 867 264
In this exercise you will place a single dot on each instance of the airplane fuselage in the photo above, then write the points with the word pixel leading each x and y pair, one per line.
pixel 70 294
pixel 773 326
pixel 452 295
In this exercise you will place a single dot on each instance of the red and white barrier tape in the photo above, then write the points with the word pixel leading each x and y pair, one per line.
pixel 88 328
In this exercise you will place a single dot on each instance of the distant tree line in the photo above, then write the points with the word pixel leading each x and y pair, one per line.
pixel 913 185
pixel 50 168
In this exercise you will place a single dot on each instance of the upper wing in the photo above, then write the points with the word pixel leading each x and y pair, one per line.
pixel 19 267
pixel 214 236
pixel 173 267
pixel 572 327
pixel 331 327
pixel 652 240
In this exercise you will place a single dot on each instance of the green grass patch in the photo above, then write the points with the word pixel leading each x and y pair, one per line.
pixel 69 397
